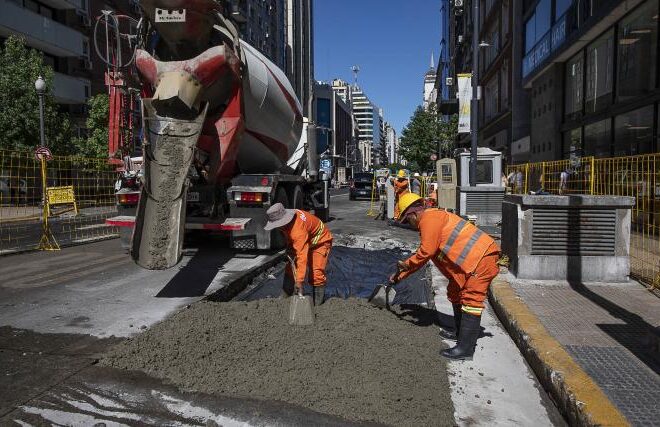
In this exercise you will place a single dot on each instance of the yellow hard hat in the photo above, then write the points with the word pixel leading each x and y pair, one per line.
pixel 401 174
pixel 405 201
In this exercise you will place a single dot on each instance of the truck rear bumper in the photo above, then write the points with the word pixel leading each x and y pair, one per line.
pixel 230 224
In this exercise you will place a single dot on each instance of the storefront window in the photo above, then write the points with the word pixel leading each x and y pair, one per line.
pixel 637 42
pixel 573 91
pixel 598 139
pixel 599 73
pixel 633 132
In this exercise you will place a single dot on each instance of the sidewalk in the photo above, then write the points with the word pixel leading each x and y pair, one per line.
pixel 593 346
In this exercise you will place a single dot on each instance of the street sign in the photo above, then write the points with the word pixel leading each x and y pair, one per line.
pixel 60 196
pixel 43 153
pixel 325 164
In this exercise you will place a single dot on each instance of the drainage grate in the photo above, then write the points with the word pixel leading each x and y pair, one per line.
pixel 244 242
pixel 573 231
pixel 488 202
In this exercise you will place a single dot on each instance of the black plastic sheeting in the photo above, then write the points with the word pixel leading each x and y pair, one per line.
pixel 355 272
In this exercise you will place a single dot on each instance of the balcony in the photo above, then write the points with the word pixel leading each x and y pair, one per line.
pixel 39 32
pixel 70 90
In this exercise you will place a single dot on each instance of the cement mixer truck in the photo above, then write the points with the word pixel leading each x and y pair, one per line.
pixel 224 135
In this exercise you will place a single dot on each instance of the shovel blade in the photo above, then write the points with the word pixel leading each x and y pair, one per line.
pixel 382 296
pixel 300 311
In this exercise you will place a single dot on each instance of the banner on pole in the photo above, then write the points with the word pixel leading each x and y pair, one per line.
pixel 464 95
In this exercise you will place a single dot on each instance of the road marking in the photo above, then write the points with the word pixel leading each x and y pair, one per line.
pixel 338 195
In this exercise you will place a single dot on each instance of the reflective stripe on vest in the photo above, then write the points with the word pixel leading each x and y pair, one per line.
pixel 466 250
pixel 454 235
pixel 318 234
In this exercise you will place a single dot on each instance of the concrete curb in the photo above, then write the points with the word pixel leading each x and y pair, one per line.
pixel 575 393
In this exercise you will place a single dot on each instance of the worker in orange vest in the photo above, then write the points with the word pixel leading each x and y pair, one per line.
pixel 308 243
pixel 401 187
pixel 464 254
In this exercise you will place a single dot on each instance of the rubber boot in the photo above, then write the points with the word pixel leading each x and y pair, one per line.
pixel 449 334
pixel 319 294
pixel 467 338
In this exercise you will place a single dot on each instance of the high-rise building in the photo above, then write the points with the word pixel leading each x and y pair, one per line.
pixel 367 117
pixel 300 48
pixel 429 91
pixel 263 24
pixel 343 89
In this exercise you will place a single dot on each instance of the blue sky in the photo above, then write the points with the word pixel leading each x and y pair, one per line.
pixel 390 40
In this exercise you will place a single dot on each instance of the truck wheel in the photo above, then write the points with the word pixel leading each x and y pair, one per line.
pixel 323 214
pixel 277 239
pixel 297 198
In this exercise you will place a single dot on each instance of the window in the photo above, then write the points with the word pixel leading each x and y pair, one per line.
pixel 599 73
pixel 633 132
pixel 573 143
pixel 561 6
pixel 491 99
pixel 598 139
pixel 538 24
pixel 637 42
pixel 573 92
pixel 484 171
pixel 504 82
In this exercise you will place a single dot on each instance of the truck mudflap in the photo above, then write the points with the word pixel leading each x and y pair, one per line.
pixel 168 154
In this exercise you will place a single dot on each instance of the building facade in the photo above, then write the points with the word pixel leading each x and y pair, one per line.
pixel 368 121
pixel 62 32
pixel 300 48
pixel 561 78
pixel 335 126
pixel 391 144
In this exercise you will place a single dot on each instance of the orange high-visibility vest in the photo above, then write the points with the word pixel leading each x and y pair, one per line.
pixel 464 244
pixel 306 232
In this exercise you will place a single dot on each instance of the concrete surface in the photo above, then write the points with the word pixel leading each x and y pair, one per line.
pixel 577 395
pixel 611 332
pixel 496 388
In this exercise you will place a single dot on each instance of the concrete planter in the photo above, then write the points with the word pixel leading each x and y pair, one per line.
pixel 576 238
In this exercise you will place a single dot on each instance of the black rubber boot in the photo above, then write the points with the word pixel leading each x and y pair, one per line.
pixel 319 294
pixel 467 338
pixel 448 334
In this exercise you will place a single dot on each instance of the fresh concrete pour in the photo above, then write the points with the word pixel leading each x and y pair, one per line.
pixel 356 362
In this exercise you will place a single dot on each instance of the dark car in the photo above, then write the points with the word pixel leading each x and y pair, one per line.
pixel 361 186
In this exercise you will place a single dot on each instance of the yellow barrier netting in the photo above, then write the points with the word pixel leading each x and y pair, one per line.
pixel 635 176
pixel 21 206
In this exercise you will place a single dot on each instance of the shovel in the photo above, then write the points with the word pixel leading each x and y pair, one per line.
pixel 383 295
pixel 300 306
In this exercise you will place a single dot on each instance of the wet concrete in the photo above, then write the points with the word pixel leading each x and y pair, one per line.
pixel 356 362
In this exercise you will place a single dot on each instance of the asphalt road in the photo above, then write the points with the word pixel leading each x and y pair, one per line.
pixel 59 311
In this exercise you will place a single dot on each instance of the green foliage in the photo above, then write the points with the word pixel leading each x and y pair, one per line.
pixel 19 115
pixel 419 139
pixel 96 144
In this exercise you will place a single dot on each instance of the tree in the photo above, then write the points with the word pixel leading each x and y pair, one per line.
pixel 420 137
pixel 96 144
pixel 19 115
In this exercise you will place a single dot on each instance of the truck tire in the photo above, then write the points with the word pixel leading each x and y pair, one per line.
pixel 277 239
pixel 323 214
pixel 297 198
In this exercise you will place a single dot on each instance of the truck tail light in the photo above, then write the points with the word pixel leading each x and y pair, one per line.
pixel 128 198
pixel 242 196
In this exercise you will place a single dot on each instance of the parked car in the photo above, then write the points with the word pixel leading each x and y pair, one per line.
pixel 13 191
pixel 361 186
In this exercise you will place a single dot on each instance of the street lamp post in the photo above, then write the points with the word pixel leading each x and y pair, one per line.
pixel 40 86
pixel 474 107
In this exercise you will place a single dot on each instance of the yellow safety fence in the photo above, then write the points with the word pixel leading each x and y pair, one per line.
pixel 635 176
pixel 81 195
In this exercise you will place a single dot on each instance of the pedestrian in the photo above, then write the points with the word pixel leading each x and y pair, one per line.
pixel 563 181
pixel 464 254
pixel 401 187
pixel 308 244
pixel 415 185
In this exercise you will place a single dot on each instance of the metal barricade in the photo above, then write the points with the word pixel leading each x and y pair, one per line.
pixel 633 176
pixel 81 191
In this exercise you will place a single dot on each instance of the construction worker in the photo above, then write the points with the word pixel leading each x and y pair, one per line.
pixel 308 245
pixel 415 185
pixel 464 254
pixel 401 187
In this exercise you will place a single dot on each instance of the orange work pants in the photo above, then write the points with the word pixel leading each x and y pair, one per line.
pixel 317 260
pixel 470 289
